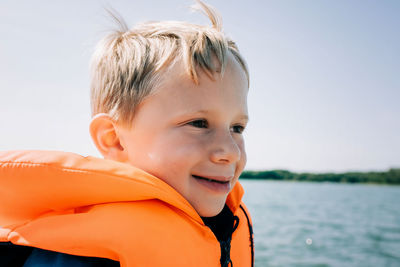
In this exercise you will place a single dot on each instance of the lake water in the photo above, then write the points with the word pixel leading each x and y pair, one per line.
pixel 324 224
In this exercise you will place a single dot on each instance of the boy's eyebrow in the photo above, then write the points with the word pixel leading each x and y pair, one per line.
pixel 244 117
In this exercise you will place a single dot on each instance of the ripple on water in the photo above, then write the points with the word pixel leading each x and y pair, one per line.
pixel 311 224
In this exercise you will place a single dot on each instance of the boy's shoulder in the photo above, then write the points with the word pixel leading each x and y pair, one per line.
pixel 64 180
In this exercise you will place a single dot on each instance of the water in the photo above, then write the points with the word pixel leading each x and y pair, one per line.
pixel 324 224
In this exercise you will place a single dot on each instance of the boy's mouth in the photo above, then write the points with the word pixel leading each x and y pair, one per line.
pixel 210 180
pixel 218 185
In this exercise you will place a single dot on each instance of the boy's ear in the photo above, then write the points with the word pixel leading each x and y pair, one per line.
pixel 105 136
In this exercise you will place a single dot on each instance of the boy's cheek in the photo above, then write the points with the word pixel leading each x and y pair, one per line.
pixel 242 148
pixel 242 162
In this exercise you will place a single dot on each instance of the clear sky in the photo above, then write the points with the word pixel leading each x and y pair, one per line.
pixel 324 90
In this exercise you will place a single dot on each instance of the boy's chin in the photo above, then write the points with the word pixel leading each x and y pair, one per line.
pixel 210 211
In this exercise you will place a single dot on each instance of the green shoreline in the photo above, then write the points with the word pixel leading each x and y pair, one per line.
pixel 392 176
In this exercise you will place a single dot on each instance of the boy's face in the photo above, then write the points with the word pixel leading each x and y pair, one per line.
pixel 190 135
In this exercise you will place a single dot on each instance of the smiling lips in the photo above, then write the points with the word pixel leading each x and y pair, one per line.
pixel 220 184
pixel 221 180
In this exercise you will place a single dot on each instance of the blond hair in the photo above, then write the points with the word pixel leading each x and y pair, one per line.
pixel 128 64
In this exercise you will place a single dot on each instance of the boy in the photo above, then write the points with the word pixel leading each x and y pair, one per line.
pixel 169 101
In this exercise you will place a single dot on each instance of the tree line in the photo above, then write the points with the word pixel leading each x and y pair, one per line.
pixel 392 176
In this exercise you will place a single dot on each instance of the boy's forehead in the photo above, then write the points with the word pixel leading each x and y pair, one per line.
pixel 179 84
pixel 180 95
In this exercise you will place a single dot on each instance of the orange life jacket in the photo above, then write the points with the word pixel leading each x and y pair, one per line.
pixel 94 207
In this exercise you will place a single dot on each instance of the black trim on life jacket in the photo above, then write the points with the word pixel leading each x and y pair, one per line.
pixel 12 255
pixel 21 256
pixel 251 236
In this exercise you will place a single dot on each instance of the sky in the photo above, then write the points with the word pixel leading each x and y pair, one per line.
pixel 324 76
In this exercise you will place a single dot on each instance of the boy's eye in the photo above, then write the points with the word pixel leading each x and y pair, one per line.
pixel 199 123
pixel 238 129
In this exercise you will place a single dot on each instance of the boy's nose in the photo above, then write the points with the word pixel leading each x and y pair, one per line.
pixel 225 149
